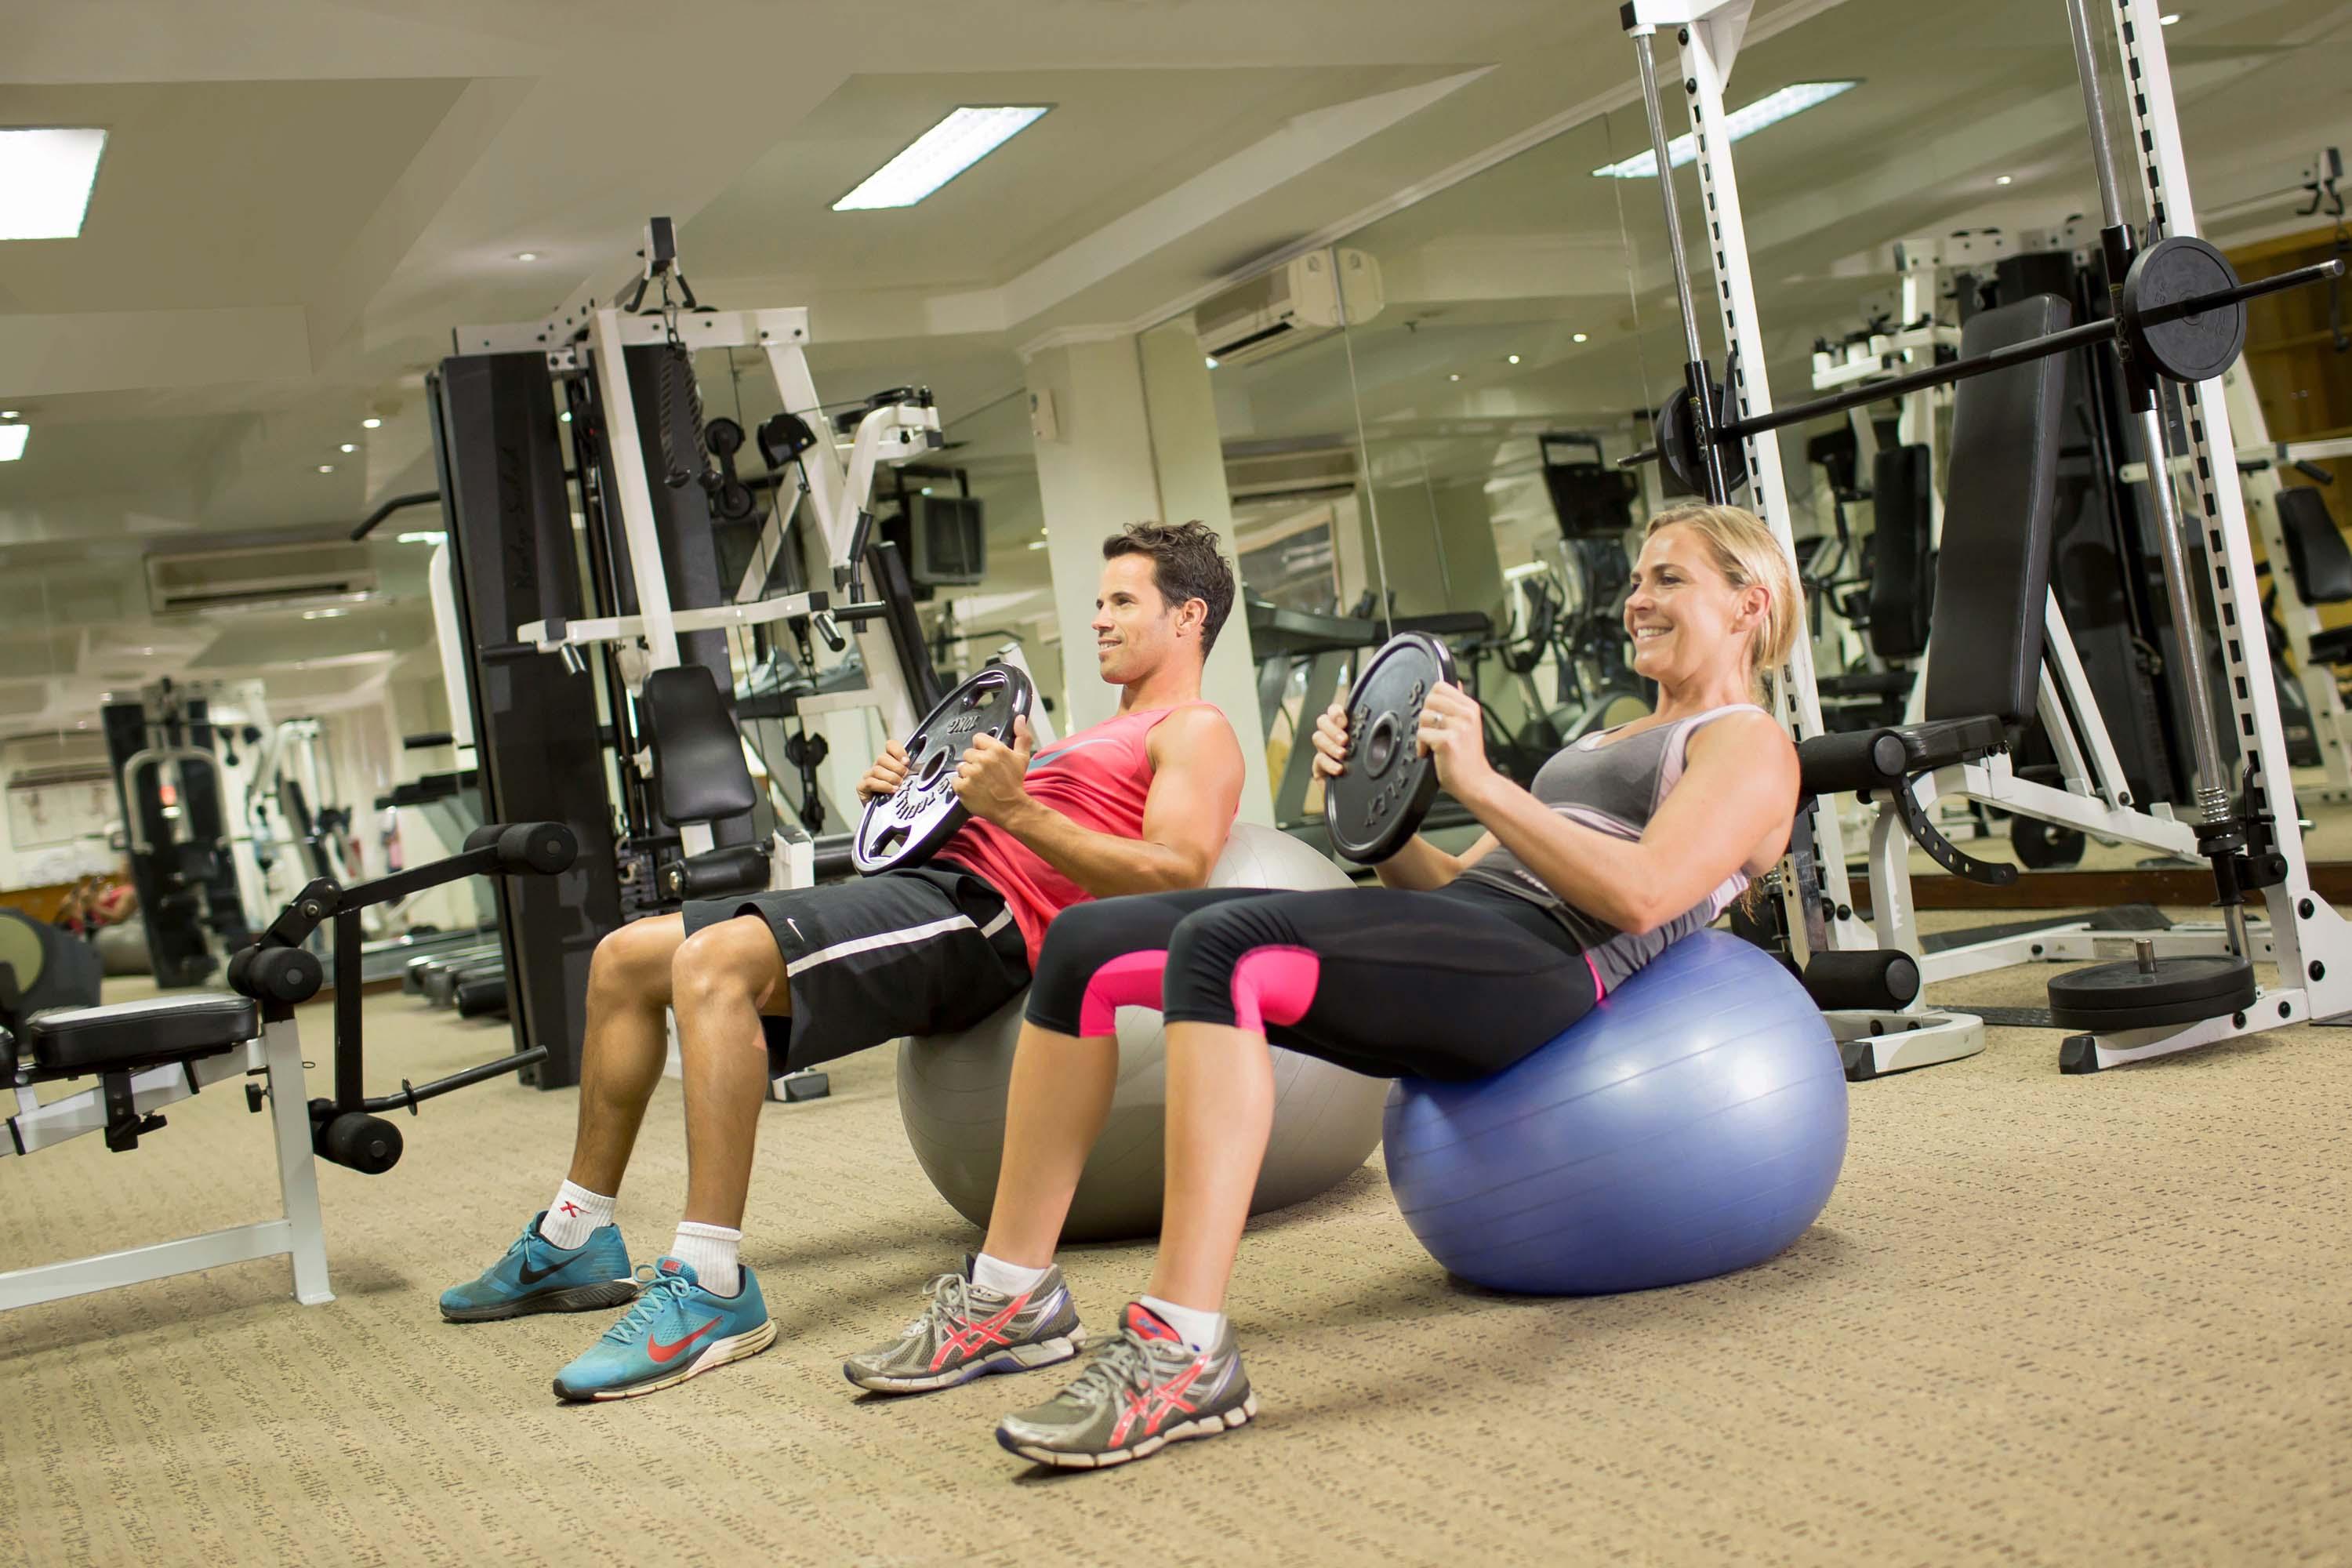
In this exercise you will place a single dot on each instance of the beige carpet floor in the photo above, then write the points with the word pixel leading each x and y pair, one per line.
pixel 2045 1320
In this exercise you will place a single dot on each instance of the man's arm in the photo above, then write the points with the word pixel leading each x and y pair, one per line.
pixel 1196 786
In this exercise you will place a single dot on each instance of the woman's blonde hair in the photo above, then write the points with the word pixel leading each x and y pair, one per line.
pixel 1748 556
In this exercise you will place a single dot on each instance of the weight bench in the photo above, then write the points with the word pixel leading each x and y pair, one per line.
pixel 700 776
pixel 151 1054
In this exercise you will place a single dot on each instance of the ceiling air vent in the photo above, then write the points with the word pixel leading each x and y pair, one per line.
pixel 273 578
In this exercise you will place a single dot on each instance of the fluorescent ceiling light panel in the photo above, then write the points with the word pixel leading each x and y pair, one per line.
pixel 12 441
pixel 939 155
pixel 44 182
pixel 1770 109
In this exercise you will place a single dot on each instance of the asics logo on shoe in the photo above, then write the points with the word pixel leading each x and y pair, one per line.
pixel 1157 1403
pixel 663 1354
pixel 969 1336
pixel 533 1276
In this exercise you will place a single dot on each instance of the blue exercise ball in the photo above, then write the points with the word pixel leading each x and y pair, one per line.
pixel 1692 1124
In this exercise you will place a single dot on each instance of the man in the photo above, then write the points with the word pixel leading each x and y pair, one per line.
pixel 1140 803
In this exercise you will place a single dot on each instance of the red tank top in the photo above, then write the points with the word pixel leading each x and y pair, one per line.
pixel 1100 779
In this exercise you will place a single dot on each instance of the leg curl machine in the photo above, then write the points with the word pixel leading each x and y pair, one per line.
pixel 151 1054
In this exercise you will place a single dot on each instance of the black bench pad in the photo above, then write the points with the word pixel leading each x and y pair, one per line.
pixel 1873 758
pixel 161 1028
pixel 722 873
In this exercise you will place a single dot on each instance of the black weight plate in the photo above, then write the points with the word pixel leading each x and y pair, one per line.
pixel 1374 807
pixel 2192 348
pixel 903 830
pixel 1675 431
pixel 2110 997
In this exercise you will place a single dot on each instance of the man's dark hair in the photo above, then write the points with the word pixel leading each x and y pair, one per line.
pixel 1184 565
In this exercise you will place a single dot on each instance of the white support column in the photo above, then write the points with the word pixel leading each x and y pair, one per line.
pixel 297 1176
pixel 635 492
pixel 1119 454
pixel 1708 46
pixel 2300 921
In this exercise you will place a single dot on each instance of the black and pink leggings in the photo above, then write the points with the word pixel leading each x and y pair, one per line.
pixel 1388 983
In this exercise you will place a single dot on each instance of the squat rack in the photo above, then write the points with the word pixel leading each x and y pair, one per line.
pixel 2308 939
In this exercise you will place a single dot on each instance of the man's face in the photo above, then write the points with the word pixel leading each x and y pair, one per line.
pixel 1134 633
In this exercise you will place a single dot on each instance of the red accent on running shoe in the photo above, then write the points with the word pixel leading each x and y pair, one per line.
pixel 663 1354
pixel 571 1208
pixel 1146 1324
pixel 1157 1403
pixel 971 1336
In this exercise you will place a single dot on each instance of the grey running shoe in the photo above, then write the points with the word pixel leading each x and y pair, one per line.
pixel 969 1332
pixel 1143 1391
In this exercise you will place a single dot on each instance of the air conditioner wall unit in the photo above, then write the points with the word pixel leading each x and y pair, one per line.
pixel 268 577
pixel 1305 298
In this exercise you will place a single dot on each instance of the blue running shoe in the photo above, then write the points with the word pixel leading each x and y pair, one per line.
pixel 537 1276
pixel 677 1331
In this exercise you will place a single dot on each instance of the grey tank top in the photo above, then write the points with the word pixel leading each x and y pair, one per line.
pixel 1614 786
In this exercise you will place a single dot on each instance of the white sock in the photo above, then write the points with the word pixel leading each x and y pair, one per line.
pixel 1200 1329
pixel 714 1251
pixel 1004 1279
pixel 573 1216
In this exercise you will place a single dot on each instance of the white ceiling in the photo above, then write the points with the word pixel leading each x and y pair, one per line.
pixel 302 197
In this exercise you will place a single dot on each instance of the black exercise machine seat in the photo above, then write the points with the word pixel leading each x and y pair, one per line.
pixel 138 1034
pixel 2322 564
pixel 1992 578
pixel 1902 556
pixel 699 777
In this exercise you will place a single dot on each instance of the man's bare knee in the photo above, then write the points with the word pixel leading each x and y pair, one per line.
pixel 631 967
pixel 728 965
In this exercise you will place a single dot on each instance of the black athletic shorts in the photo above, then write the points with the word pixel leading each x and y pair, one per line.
pixel 919 952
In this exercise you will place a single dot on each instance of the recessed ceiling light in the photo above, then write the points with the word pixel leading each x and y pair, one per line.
pixel 371 424
pixel 1456 376
pixel 957 143
pixel 1583 338
pixel 1512 359
pixel 326 467
pixel 526 256
pixel 2168 18
pixel 12 441
pixel 44 182
pixel 1770 110
pixel 349 446
pixel 1213 361
pixel 2004 179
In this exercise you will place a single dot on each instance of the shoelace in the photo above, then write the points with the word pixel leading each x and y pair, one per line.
pixel 653 1290
pixel 1119 1367
pixel 951 1293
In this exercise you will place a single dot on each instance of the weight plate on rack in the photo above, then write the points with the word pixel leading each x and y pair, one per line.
pixel 2110 997
pixel 1675 430
pixel 1374 807
pixel 2190 348
pixel 905 829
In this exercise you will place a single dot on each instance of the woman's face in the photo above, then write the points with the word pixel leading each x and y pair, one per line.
pixel 1690 626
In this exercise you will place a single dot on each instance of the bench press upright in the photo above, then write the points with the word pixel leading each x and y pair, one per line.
pixel 2175 307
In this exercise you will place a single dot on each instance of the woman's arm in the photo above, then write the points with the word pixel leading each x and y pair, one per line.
pixel 1418 866
pixel 1738 791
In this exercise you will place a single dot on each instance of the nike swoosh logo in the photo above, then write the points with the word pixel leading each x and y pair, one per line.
pixel 663 1354
pixel 533 1276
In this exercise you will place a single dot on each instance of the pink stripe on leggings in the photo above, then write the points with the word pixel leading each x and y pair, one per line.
pixel 1273 986
pixel 1130 980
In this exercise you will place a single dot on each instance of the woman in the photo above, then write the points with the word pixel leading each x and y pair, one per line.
pixel 1458 967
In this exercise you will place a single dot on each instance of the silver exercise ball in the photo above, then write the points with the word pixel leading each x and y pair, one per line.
pixel 951 1093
